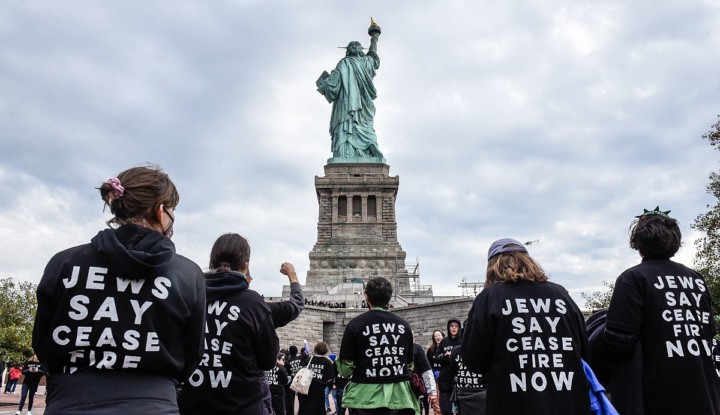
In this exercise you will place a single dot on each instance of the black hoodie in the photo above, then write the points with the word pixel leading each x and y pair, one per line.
pixel 442 356
pixel 240 344
pixel 528 339
pixel 126 302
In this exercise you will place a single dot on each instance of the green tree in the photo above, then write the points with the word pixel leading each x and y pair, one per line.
pixel 17 314
pixel 707 255
pixel 598 300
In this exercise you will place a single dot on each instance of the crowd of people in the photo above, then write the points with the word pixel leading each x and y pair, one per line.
pixel 326 304
pixel 126 325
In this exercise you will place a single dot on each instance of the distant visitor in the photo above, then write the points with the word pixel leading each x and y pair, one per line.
pixel 351 90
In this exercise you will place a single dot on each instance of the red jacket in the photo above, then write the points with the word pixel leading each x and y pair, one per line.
pixel 14 373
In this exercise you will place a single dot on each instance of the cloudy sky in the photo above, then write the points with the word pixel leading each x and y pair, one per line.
pixel 556 121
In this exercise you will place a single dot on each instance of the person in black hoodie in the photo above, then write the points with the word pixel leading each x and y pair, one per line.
pixel 240 341
pixel 292 365
pixel 32 371
pixel 442 357
pixel 277 380
pixel 661 316
pixel 470 393
pixel 323 375
pixel 120 320
pixel 527 337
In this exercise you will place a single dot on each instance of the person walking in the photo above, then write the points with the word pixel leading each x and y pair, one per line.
pixel 339 384
pixel 277 380
pixel 324 372
pixel 527 337
pixel 32 373
pixel 431 352
pixel 330 390
pixel 442 358
pixel 13 378
pixel 2 373
pixel 120 320
pixel 292 365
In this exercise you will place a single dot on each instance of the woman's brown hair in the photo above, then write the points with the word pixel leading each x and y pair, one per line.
pixel 144 190
pixel 321 348
pixel 513 267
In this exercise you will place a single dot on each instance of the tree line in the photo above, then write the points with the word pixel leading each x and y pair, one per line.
pixel 17 315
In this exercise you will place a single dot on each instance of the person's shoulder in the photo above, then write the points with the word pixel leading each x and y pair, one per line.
pixel 638 273
pixel 71 254
pixel 354 325
pixel 249 300
pixel 683 269
pixel 553 286
pixel 394 317
pixel 187 265
pixel 252 297
pixel 361 318
pixel 653 266
pixel 486 291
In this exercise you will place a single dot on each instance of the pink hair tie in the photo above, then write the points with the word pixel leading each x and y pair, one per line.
pixel 118 189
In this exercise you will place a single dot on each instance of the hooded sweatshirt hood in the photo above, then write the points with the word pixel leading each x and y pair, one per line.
pixel 454 320
pixel 139 251
pixel 217 283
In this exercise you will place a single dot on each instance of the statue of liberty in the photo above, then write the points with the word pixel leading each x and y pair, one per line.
pixel 351 90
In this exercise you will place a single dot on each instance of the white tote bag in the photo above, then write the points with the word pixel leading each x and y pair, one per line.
pixel 302 380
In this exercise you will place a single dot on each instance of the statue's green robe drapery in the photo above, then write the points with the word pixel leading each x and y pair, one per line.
pixel 351 90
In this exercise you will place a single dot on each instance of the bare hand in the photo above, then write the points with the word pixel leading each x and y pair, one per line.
pixel 435 403
pixel 289 270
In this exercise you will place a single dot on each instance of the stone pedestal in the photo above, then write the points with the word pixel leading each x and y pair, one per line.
pixel 357 230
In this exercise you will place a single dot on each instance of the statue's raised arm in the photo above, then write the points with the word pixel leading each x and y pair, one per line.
pixel 349 87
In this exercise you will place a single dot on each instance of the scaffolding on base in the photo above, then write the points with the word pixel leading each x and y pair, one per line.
pixel 466 286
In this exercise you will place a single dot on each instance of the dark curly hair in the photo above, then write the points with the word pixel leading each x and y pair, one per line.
pixel 379 291
pixel 655 237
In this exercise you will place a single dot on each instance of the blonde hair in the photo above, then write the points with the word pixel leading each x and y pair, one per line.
pixel 513 267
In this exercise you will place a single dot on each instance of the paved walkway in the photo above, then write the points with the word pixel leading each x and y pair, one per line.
pixel 9 403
